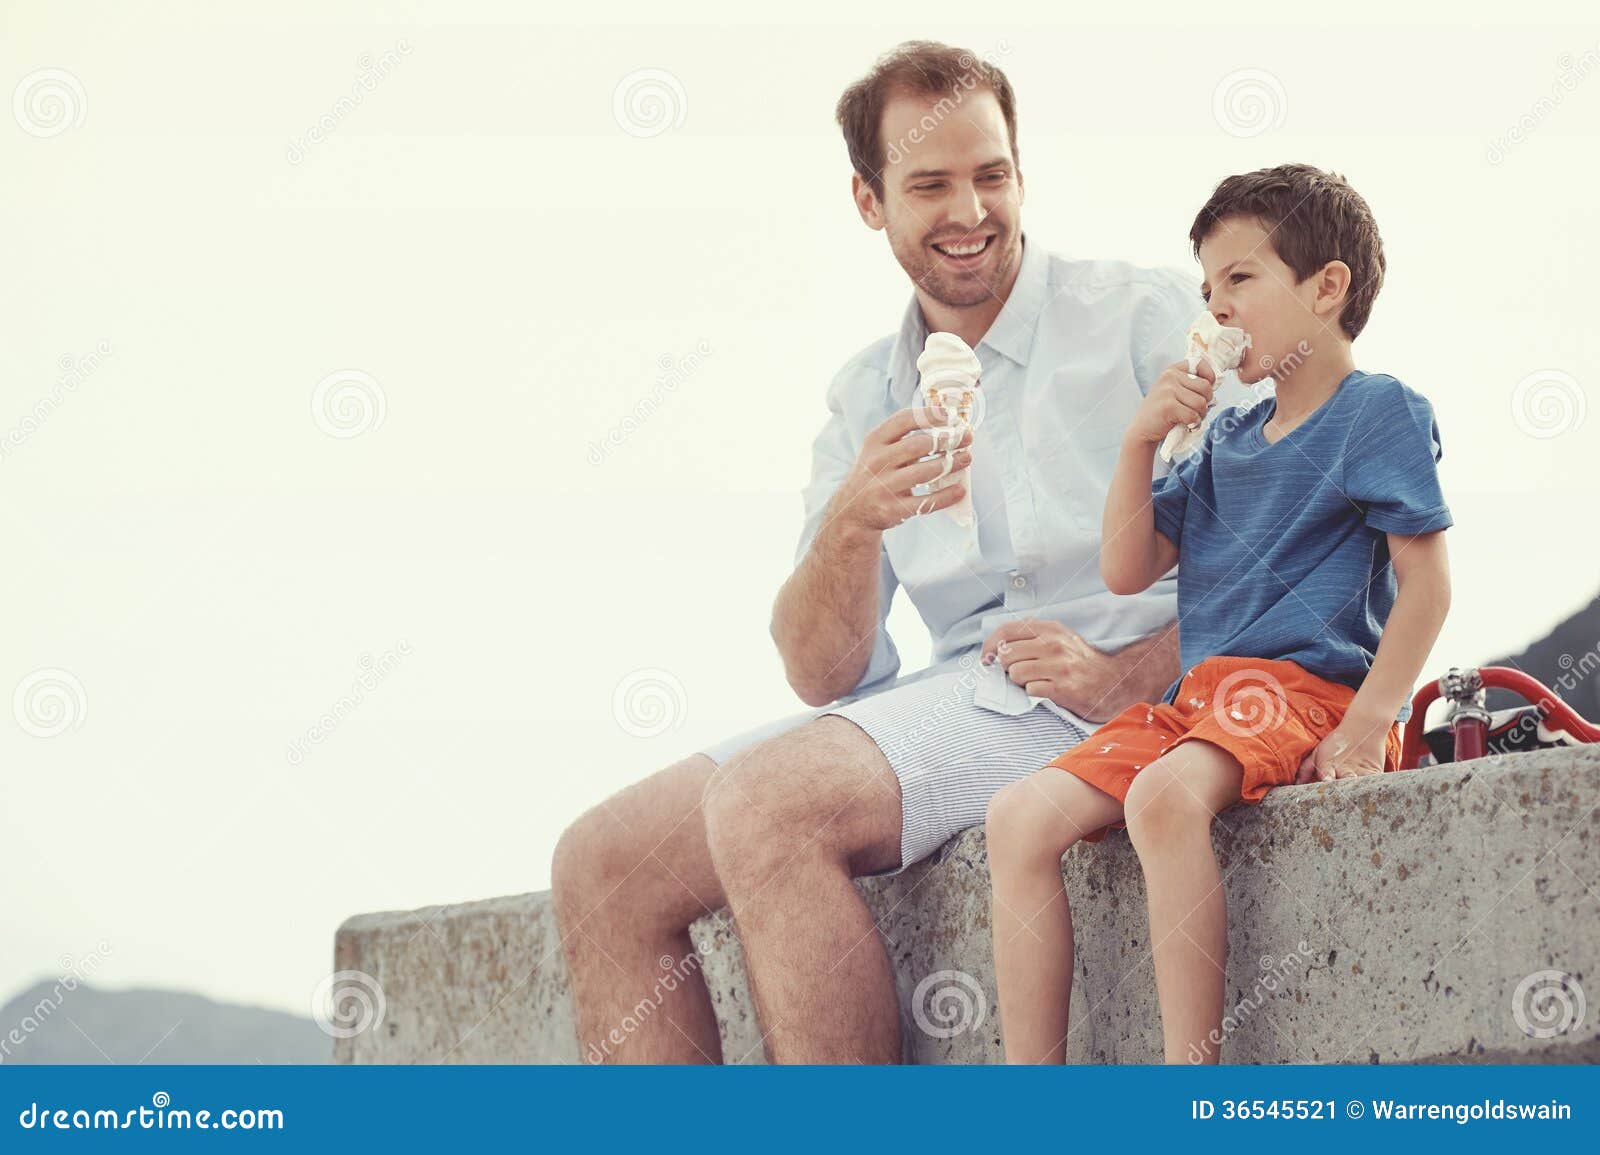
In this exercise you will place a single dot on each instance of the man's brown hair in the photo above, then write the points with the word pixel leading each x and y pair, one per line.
pixel 917 67
pixel 1311 217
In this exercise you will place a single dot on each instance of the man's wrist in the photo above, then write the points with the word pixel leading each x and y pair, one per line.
pixel 843 533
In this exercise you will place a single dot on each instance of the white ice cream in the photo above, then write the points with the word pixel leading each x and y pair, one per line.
pixel 950 370
pixel 1220 346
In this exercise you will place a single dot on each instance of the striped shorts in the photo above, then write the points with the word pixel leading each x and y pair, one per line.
pixel 949 754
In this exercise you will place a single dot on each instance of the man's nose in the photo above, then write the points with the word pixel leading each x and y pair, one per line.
pixel 968 209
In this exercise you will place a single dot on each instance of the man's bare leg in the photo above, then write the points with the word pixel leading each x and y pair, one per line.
pixel 628 878
pixel 788 828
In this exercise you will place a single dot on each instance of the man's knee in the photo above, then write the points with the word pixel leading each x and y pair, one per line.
pixel 587 866
pixel 822 789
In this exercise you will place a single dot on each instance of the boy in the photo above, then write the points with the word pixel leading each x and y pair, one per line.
pixel 1312 582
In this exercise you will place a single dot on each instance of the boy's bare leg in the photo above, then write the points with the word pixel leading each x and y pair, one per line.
pixel 788 829
pixel 1169 808
pixel 1030 825
pixel 628 878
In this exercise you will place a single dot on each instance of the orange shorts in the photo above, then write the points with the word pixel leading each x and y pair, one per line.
pixel 1267 714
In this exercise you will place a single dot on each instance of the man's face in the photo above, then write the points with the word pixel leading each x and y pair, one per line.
pixel 951 195
pixel 1248 286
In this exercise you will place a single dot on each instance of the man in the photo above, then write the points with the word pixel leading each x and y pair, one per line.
pixel 776 822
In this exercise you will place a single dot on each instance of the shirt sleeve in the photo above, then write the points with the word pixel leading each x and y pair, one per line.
pixel 1169 495
pixel 1161 325
pixel 833 454
pixel 1391 461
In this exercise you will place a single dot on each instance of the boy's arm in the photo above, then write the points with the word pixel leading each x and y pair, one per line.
pixel 1422 570
pixel 1133 554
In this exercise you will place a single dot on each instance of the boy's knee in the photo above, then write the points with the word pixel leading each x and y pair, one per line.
pixel 1022 827
pixel 1160 806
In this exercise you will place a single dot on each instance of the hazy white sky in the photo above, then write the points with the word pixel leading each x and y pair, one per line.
pixel 211 541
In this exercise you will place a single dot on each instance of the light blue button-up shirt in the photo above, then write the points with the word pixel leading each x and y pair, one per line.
pixel 1065 365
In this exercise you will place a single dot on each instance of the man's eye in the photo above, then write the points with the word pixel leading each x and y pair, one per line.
pixel 994 177
pixel 926 188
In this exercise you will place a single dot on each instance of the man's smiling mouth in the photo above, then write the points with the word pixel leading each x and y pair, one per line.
pixel 964 251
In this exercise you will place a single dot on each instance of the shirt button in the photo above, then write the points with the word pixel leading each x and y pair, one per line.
pixel 1319 716
pixel 1019 582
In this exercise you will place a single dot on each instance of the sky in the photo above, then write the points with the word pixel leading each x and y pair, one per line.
pixel 305 397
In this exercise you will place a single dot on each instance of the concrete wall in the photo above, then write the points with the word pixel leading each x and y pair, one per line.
pixel 1403 918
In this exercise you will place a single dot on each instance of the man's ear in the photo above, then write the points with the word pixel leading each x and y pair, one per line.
pixel 1333 289
pixel 867 202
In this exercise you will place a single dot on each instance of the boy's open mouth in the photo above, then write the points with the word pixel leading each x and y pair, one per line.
pixel 966 253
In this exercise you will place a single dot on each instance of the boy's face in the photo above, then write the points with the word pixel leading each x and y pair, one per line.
pixel 949 182
pixel 1247 286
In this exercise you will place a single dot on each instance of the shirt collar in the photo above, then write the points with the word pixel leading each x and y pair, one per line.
pixel 1010 334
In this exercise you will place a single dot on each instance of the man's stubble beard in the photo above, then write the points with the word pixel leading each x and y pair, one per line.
pixel 953 291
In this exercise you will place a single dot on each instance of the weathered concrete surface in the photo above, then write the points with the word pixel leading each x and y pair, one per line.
pixel 1390 919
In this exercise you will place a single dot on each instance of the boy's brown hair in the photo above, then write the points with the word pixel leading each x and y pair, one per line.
pixel 923 67
pixel 1312 217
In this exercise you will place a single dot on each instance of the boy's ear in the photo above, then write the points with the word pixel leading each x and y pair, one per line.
pixel 867 202
pixel 1333 288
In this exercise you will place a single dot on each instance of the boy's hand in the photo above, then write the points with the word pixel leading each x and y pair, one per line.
pixel 1178 397
pixel 1345 753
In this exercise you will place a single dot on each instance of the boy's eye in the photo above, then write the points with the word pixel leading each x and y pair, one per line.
pixel 1237 277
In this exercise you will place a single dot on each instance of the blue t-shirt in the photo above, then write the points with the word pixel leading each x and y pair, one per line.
pixel 1282 552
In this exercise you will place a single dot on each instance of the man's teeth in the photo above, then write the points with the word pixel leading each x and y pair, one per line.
pixel 966 250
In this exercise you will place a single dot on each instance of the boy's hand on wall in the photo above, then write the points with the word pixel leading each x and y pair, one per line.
pixel 1343 754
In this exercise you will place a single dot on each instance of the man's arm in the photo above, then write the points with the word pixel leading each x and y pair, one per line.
pixel 825 618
